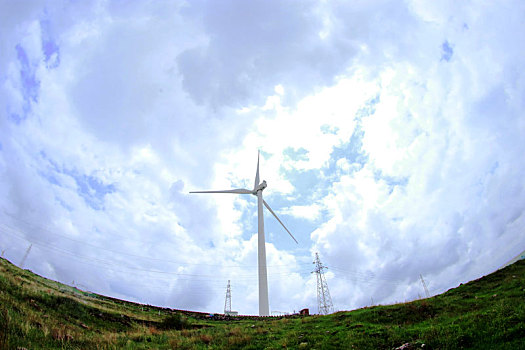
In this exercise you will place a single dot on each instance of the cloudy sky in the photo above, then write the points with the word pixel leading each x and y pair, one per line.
pixel 391 136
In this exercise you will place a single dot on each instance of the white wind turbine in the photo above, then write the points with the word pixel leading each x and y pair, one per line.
pixel 264 308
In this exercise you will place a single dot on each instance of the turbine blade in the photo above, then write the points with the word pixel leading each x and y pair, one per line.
pixel 237 191
pixel 271 211
pixel 257 173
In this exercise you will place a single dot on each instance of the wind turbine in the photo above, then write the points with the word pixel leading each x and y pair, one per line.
pixel 264 308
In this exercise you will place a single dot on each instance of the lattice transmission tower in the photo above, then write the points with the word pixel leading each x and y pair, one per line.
pixel 324 301
pixel 427 293
pixel 25 256
pixel 228 301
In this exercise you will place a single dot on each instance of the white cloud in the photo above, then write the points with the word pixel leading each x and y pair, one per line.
pixel 308 212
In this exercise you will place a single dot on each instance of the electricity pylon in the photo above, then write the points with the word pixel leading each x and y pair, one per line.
pixel 424 286
pixel 324 301
pixel 25 256
pixel 228 301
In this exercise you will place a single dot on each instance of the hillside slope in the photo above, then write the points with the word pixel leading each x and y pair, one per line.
pixel 488 313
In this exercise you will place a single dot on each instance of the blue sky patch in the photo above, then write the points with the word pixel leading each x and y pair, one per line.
pixel 51 169
pixel 30 84
pixel 92 190
pixel 296 153
pixel 51 53
pixel 446 51
pixel 64 204
pixel 329 129
pixel 305 182
pixel 247 221
pixel 352 151
pixel 15 117
pixel 49 46
pixel 368 109
pixel 391 181
pixel 49 177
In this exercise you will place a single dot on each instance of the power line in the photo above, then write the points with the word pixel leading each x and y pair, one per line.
pixel 111 264
pixel 365 276
pixel 212 280
pixel 275 276
pixel 124 253
pixel 366 280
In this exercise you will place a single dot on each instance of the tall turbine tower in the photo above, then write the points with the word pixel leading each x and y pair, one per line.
pixel 264 307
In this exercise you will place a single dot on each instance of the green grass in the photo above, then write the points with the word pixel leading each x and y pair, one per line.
pixel 36 313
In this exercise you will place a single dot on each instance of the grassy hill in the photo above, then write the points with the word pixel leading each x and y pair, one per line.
pixel 36 313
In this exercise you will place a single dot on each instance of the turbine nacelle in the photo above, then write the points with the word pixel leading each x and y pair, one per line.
pixel 261 187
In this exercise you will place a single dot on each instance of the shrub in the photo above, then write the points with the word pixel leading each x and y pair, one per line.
pixel 205 338
pixel 175 321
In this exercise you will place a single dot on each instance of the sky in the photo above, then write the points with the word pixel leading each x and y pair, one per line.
pixel 391 136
